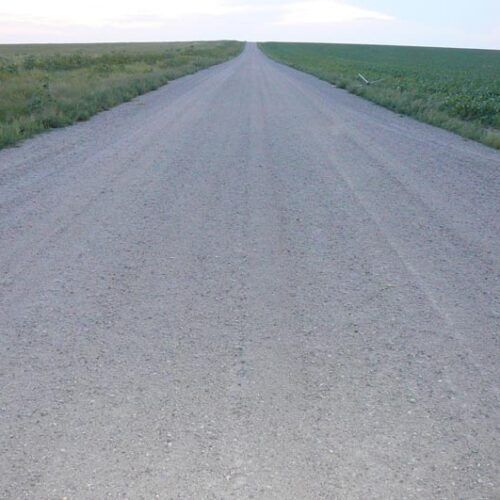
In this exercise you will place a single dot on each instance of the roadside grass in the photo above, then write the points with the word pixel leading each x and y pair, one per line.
pixel 48 86
pixel 456 89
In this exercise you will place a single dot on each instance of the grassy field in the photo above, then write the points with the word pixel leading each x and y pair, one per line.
pixel 457 89
pixel 46 86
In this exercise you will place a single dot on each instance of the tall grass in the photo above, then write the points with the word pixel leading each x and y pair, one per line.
pixel 47 86
pixel 456 89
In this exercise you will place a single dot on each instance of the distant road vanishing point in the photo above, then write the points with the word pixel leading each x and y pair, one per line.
pixel 249 284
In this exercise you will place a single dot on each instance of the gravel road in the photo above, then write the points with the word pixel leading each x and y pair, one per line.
pixel 249 284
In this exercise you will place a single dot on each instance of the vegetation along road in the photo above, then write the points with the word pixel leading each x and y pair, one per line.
pixel 249 284
pixel 48 86
pixel 457 89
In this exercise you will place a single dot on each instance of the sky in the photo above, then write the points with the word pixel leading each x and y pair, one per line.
pixel 443 23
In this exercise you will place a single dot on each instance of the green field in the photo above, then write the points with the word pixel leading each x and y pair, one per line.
pixel 46 86
pixel 457 89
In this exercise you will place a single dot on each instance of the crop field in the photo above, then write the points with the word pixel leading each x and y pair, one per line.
pixel 47 86
pixel 457 89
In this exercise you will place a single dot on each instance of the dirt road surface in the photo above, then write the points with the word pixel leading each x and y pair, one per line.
pixel 249 284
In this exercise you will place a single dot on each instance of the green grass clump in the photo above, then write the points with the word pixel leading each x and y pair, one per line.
pixel 456 89
pixel 48 86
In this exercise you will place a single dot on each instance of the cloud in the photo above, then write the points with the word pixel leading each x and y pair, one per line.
pixel 98 13
pixel 327 12
pixel 113 12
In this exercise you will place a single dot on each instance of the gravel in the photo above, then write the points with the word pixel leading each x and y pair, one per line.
pixel 249 284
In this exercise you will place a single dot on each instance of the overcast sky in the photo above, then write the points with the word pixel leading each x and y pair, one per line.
pixel 450 23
